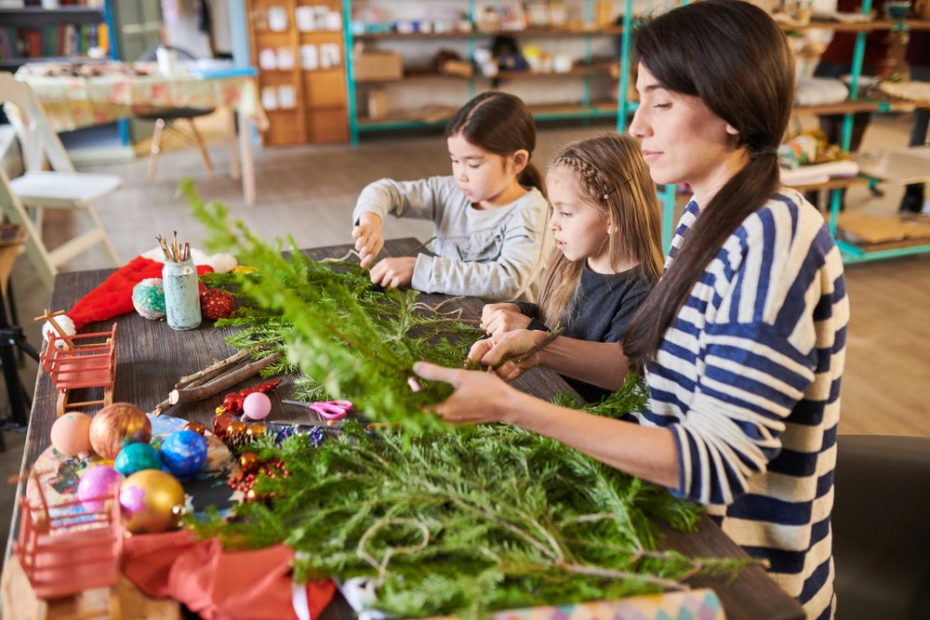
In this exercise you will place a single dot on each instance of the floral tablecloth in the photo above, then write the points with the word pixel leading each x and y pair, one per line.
pixel 73 101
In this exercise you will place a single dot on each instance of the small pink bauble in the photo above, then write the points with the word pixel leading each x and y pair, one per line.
pixel 97 485
pixel 256 406
pixel 71 434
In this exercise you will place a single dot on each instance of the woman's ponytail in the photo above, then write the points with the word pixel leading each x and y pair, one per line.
pixel 744 194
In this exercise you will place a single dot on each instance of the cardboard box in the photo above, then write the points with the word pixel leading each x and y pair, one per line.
pixel 375 65
pixel 377 104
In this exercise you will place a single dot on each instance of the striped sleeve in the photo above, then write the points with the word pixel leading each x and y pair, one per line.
pixel 758 352
pixel 753 378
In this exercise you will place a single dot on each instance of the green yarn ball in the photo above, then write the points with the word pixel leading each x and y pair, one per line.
pixel 148 298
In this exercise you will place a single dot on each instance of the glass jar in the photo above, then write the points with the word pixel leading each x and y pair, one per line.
pixel 182 295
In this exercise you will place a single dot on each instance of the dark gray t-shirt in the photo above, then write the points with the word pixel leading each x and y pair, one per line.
pixel 604 305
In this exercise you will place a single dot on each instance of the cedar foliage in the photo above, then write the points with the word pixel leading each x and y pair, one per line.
pixel 466 522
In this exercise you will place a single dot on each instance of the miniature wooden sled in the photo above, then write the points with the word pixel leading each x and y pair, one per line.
pixel 79 362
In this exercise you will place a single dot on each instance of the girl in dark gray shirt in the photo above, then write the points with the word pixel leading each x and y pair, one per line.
pixel 607 227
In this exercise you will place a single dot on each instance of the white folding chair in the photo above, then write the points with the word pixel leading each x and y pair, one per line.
pixel 23 198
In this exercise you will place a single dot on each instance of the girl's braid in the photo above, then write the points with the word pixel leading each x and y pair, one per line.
pixel 596 184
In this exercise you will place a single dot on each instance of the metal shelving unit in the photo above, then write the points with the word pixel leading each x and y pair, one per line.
pixel 587 108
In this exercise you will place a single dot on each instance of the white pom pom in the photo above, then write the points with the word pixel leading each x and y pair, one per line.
pixel 199 257
pixel 64 322
pixel 222 263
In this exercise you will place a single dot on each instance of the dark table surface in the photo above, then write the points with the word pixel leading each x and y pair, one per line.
pixel 152 357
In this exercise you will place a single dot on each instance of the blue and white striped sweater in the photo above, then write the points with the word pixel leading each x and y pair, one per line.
pixel 748 379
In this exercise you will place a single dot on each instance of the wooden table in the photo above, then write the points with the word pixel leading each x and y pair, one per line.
pixel 152 357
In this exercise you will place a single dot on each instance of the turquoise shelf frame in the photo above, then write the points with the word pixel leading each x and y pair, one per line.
pixel 625 109
pixel 586 110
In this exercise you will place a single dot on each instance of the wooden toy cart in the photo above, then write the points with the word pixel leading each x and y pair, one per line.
pixel 65 548
pixel 78 362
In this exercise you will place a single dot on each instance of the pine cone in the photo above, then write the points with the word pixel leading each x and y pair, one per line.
pixel 217 304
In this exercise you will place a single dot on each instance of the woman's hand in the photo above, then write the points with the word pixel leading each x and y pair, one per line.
pixel 368 237
pixel 498 319
pixel 513 345
pixel 478 397
pixel 393 272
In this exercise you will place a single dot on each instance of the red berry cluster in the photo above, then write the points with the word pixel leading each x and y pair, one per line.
pixel 245 479
pixel 217 304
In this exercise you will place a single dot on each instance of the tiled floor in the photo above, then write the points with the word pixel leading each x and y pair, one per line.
pixel 308 192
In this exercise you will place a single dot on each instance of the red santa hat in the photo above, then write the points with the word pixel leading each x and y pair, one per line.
pixel 113 296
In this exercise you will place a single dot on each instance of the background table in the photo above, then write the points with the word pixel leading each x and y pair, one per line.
pixel 72 102
pixel 152 357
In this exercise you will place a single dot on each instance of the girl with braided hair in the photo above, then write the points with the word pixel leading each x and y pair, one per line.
pixel 742 342
pixel 606 222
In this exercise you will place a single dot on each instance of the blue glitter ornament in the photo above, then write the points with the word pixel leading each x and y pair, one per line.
pixel 184 452
pixel 136 457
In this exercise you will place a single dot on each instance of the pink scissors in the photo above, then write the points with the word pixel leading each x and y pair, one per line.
pixel 328 410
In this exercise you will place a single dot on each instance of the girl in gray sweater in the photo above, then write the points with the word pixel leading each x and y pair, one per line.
pixel 491 216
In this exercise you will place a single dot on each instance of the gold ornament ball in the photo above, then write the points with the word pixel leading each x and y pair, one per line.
pixel 152 501
pixel 255 430
pixel 248 461
pixel 116 426
pixel 197 427
pixel 236 427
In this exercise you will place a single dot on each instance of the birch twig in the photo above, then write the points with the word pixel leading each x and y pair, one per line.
pixel 217 385
pixel 214 369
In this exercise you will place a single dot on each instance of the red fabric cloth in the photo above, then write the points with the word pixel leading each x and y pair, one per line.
pixel 218 584
pixel 114 295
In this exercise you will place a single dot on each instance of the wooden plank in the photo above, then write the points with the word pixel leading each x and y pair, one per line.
pixel 152 357
pixel 838 183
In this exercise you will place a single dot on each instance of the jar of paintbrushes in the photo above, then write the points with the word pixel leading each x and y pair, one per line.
pixel 179 278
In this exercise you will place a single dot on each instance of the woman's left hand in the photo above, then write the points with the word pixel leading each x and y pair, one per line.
pixel 393 272
pixel 479 396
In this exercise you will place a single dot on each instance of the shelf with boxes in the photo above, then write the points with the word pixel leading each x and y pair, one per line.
pixel 297 46
pixel 415 68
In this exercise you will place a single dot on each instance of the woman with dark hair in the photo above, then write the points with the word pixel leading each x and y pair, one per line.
pixel 742 341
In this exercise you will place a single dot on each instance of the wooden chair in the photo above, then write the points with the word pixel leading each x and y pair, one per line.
pixel 24 198
pixel 168 120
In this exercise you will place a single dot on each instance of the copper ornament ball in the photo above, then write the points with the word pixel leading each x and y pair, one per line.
pixel 116 426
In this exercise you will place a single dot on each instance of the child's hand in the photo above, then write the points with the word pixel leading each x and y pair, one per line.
pixel 497 319
pixel 368 237
pixel 393 272
pixel 515 344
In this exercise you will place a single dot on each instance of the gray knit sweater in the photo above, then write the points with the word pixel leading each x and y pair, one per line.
pixel 495 254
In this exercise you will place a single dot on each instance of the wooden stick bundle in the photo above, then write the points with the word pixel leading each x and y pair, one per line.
pixel 215 378
pixel 223 382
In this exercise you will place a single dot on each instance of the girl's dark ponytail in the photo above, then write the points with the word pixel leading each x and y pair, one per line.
pixel 532 177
